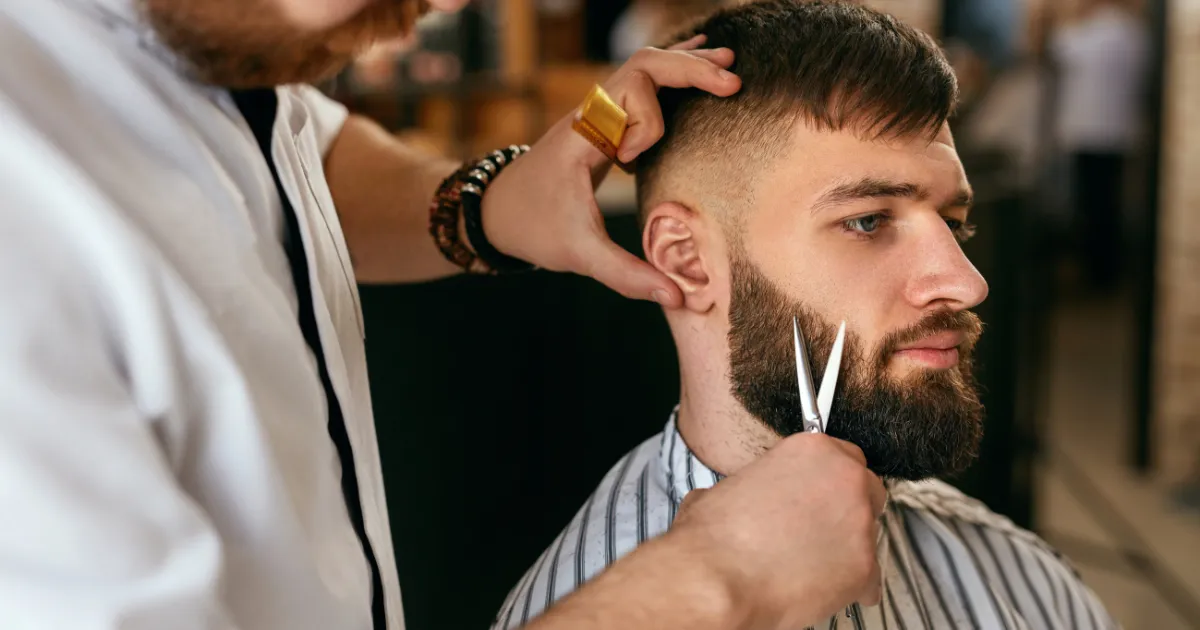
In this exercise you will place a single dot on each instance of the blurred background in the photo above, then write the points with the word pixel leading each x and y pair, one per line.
pixel 502 402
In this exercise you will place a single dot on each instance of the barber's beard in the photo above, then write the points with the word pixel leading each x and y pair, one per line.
pixel 247 43
pixel 928 424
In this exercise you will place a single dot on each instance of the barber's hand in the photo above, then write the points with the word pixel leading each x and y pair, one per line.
pixel 793 535
pixel 543 209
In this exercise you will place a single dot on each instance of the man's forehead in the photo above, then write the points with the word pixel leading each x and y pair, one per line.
pixel 816 159
pixel 806 137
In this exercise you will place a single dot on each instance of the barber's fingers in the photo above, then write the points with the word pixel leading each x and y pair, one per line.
pixel 681 69
pixel 610 264
pixel 722 57
pixel 878 494
pixel 693 43
pixel 645 117
pixel 876 491
pixel 874 591
pixel 635 87
pixel 851 449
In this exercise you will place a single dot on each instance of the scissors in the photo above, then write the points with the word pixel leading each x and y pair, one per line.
pixel 816 405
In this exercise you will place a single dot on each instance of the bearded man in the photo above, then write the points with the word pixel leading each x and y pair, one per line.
pixel 186 436
pixel 828 189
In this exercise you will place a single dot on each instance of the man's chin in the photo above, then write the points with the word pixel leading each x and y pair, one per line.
pixel 254 46
pixel 921 425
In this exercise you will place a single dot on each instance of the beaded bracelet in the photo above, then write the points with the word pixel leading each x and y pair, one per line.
pixel 460 198
pixel 472 204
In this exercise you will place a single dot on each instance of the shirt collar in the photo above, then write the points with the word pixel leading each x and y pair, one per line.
pixel 684 471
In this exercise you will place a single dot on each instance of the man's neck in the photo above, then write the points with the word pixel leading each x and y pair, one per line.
pixel 715 426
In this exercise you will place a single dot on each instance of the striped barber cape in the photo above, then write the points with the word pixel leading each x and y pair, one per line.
pixel 947 561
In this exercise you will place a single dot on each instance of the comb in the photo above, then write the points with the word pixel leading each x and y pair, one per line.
pixel 602 122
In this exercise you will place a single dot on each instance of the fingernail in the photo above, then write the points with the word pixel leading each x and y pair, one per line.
pixel 661 296
pixel 626 156
pixel 726 75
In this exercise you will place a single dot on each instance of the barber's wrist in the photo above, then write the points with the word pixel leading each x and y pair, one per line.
pixel 661 584
pixel 456 216
pixel 717 587
pixel 710 586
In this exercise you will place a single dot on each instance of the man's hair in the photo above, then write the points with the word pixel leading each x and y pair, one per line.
pixel 831 65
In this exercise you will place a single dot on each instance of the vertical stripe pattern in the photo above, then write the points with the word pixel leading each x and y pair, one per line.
pixel 947 562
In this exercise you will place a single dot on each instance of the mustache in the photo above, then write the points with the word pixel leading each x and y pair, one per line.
pixel 945 320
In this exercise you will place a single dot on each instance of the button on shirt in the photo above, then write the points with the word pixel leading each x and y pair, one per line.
pixel 165 454
pixel 947 561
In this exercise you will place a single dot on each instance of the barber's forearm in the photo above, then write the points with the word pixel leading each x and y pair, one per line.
pixel 382 190
pixel 659 585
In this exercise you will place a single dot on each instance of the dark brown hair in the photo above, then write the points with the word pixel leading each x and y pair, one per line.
pixel 829 64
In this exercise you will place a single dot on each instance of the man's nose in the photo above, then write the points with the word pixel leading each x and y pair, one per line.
pixel 944 277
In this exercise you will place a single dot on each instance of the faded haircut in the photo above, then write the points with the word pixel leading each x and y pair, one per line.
pixel 833 65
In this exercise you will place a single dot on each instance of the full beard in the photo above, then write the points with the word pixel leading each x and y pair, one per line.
pixel 248 44
pixel 928 425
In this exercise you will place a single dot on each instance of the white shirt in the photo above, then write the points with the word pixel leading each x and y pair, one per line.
pixel 1104 62
pixel 165 460
pixel 948 562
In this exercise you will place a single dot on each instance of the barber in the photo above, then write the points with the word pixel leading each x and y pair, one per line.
pixel 186 438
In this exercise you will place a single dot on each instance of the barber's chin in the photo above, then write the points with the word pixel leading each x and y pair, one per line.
pixel 926 358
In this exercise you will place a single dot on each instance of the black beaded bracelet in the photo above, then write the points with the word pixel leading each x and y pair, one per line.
pixel 472 191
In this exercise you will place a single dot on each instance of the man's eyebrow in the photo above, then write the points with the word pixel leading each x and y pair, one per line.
pixel 964 199
pixel 875 188
pixel 868 188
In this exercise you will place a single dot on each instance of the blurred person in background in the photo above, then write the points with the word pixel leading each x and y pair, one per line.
pixel 827 188
pixel 989 27
pixel 1103 60
pixel 186 432
pixel 979 38
pixel 646 22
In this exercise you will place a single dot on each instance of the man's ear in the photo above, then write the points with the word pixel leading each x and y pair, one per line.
pixel 674 240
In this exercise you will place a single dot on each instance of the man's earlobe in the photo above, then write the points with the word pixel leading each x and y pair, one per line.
pixel 673 240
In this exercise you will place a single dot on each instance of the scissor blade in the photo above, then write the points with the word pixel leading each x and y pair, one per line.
pixel 829 381
pixel 804 380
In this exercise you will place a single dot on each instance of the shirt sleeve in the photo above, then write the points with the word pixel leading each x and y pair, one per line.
pixel 95 532
pixel 326 114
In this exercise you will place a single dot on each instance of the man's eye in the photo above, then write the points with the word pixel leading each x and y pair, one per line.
pixel 865 225
pixel 962 230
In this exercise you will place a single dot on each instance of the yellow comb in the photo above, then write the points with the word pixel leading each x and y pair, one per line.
pixel 602 122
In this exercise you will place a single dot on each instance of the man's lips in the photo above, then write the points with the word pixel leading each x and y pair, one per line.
pixel 937 351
